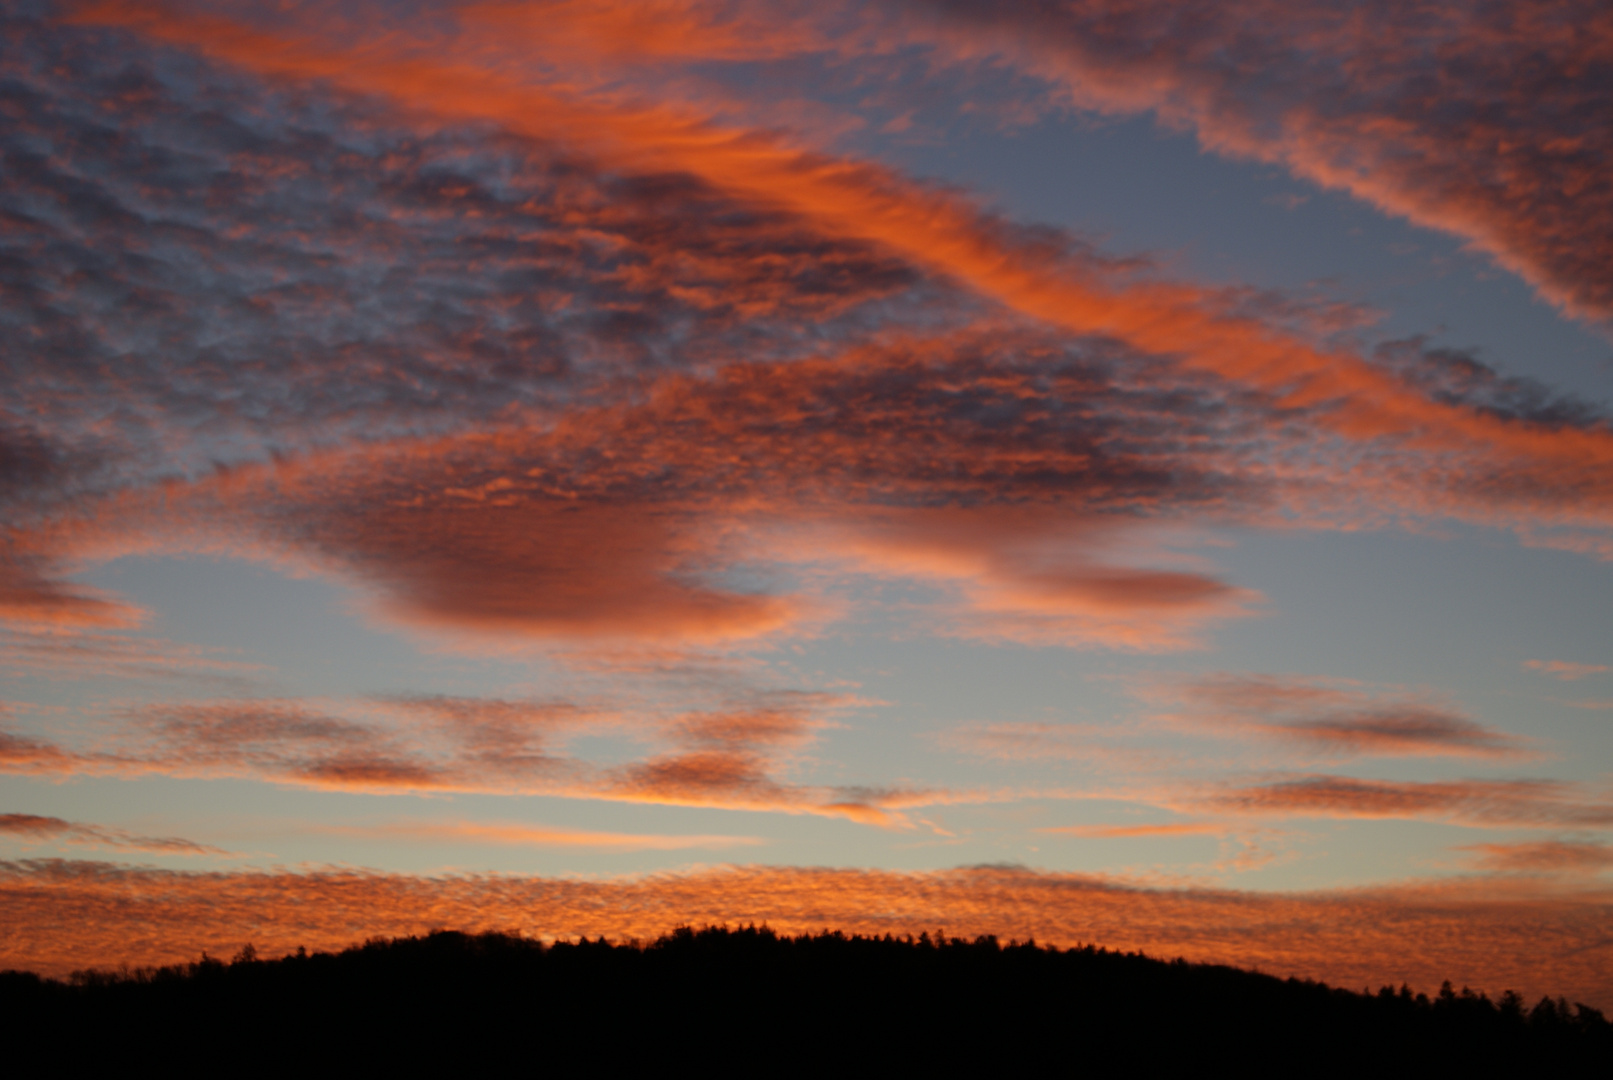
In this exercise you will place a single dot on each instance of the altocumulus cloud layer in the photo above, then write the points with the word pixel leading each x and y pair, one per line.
pixel 1480 119
pixel 552 326
pixel 1517 937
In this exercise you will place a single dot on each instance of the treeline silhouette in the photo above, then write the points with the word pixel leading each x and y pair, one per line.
pixel 750 1000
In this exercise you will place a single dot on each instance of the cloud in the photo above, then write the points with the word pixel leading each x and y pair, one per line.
pixel 546 567
pixel 1005 471
pixel 1459 118
pixel 1041 275
pixel 61 916
pixel 279 739
pixel 1107 750
pixel 1128 832
pixel 1551 856
pixel 513 834
pixel 1543 857
pixel 1025 741
pixel 735 759
pixel 730 759
pixel 1505 803
pixel 30 756
pixel 1036 577
pixel 33 828
pixel 265 269
pixel 33 594
pixel 1564 669
pixel 926 258
pixel 58 651
pixel 571 368
pixel 562 358
pixel 1329 717
pixel 636 33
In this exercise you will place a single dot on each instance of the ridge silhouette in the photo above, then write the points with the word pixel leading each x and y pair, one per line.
pixel 749 999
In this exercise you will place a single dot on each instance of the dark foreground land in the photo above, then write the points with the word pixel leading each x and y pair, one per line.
pixel 731 1001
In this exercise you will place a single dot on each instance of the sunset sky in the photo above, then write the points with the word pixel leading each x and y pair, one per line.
pixel 1116 470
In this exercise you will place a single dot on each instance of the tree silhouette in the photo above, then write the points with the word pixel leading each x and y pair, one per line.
pixel 748 999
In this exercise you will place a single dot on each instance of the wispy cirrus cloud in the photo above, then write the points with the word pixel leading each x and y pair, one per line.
pixel 1328 716
pixel 656 344
pixel 1544 857
pixel 36 828
pixel 34 756
pixel 517 834
pixel 986 469
pixel 1478 803
pixel 1023 741
pixel 1132 832
pixel 363 276
pixel 75 652
pixel 1566 670
pixel 1459 117
pixel 33 593
pixel 1052 281
pixel 736 759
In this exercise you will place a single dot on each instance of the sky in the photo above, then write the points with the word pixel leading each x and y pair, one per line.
pixel 1106 470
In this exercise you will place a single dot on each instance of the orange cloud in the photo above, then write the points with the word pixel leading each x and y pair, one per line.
pixel 34 828
pixel 1126 832
pixel 1476 120
pixel 1346 395
pixel 65 651
pixel 603 492
pixel 1024 741
pixel 1544 857
pixel 21 754
pixel 731 760
pixel 637 31
pixel 1508 803
pixel 1040 576
pixel 966 463
pixel 510 834
pixel 1329 717
pixel 61 916
pixel 952 416
pixel 545 567
pixel 31 593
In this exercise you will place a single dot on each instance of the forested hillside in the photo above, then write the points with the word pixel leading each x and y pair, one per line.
pixel 749 999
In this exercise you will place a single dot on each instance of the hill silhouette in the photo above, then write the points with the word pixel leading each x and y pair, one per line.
pixel 750 1000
